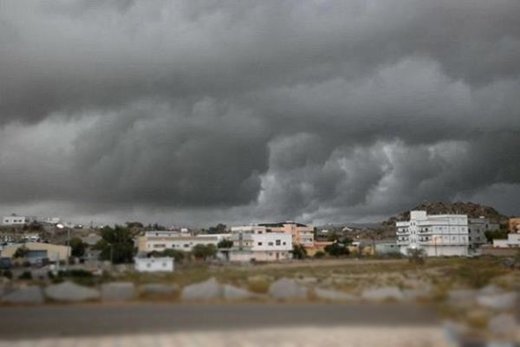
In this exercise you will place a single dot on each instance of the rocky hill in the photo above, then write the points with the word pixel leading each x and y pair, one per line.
pixel 469 208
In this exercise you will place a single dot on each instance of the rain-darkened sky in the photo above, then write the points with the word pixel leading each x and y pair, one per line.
pixel 196 112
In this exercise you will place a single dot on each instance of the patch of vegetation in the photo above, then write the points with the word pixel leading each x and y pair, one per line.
pixel 78 247
pixel 176 254
pixel 26 275
pixel 7 274
pixel 204 251
pixel 116 245
pixel 299 252
pixel 319 254
pixel 416 256
pixel 337 249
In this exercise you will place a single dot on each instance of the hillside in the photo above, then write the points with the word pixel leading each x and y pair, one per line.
pixel 471 209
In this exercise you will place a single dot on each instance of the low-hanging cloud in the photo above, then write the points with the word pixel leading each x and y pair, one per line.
pixel 204 110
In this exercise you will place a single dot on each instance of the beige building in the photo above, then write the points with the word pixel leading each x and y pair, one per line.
pixel 159 241
pixel 46 250
pixel 514 225
pixel 302 234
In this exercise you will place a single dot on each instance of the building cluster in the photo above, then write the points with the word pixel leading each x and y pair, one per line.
pixel 262 242
pixel 435 235
pixel 451 234
pixel 15 220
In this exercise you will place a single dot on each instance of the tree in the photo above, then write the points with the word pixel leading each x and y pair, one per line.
pixel 337 249
pixel 225 244
pixel 218 229
pixel 116 245
pixel 21 252
pixel 204 251
pixel 137 225
pixel 77 247
pixel 299 252
pixel 496 234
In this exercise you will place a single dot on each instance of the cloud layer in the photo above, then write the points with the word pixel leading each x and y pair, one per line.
pixel 199 111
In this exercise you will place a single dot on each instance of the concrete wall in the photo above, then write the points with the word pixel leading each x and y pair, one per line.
pixel 164 264
pixel 246 256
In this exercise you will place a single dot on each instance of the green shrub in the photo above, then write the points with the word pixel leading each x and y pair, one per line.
pixel 319 254
pixel 26 275
pixel 416 256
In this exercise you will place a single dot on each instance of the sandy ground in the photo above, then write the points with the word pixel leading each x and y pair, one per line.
pixel 287 337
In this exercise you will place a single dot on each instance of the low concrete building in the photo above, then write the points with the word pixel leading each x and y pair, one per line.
pixel 14 219
pixel 512 241
pixel 387 247
pixel 42 250
pixel 477 228
pixel 161 240
pixel 163 264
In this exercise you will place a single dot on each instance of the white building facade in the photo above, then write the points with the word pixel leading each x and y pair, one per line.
pixel 437 235
pixel 163 264
pixel 512 241
pixel 17 220
pixel 254 243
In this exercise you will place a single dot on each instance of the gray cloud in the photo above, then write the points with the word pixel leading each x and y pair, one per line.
pixel 262 110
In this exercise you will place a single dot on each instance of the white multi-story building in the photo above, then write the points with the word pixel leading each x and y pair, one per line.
pixel 255 243
pixel 437 235
pixel 17 220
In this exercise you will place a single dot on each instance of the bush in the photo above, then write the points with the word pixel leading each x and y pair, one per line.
pixel 319 254
pixel 299 252
pixel 76 273
pixel 26 275
pixel 204 251
pixel 416 256
pixel 225 244
pixel 337 249
pixel 174 253
pixel 7 274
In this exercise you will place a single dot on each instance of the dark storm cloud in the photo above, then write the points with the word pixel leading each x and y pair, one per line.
pixel 273 109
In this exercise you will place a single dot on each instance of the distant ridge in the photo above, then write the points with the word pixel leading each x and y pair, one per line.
pixel 469 208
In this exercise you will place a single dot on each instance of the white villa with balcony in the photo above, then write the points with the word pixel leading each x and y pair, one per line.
pixel 437 235
pixel 257 243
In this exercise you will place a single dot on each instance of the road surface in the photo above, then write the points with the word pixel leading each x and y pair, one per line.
pixel 219 325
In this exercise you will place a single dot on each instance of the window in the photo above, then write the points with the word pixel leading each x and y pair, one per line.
pixel 259 243
pixel 278 242
pixel 270 244
pixel 284 243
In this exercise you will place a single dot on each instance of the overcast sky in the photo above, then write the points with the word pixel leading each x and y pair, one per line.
pixel 197 112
